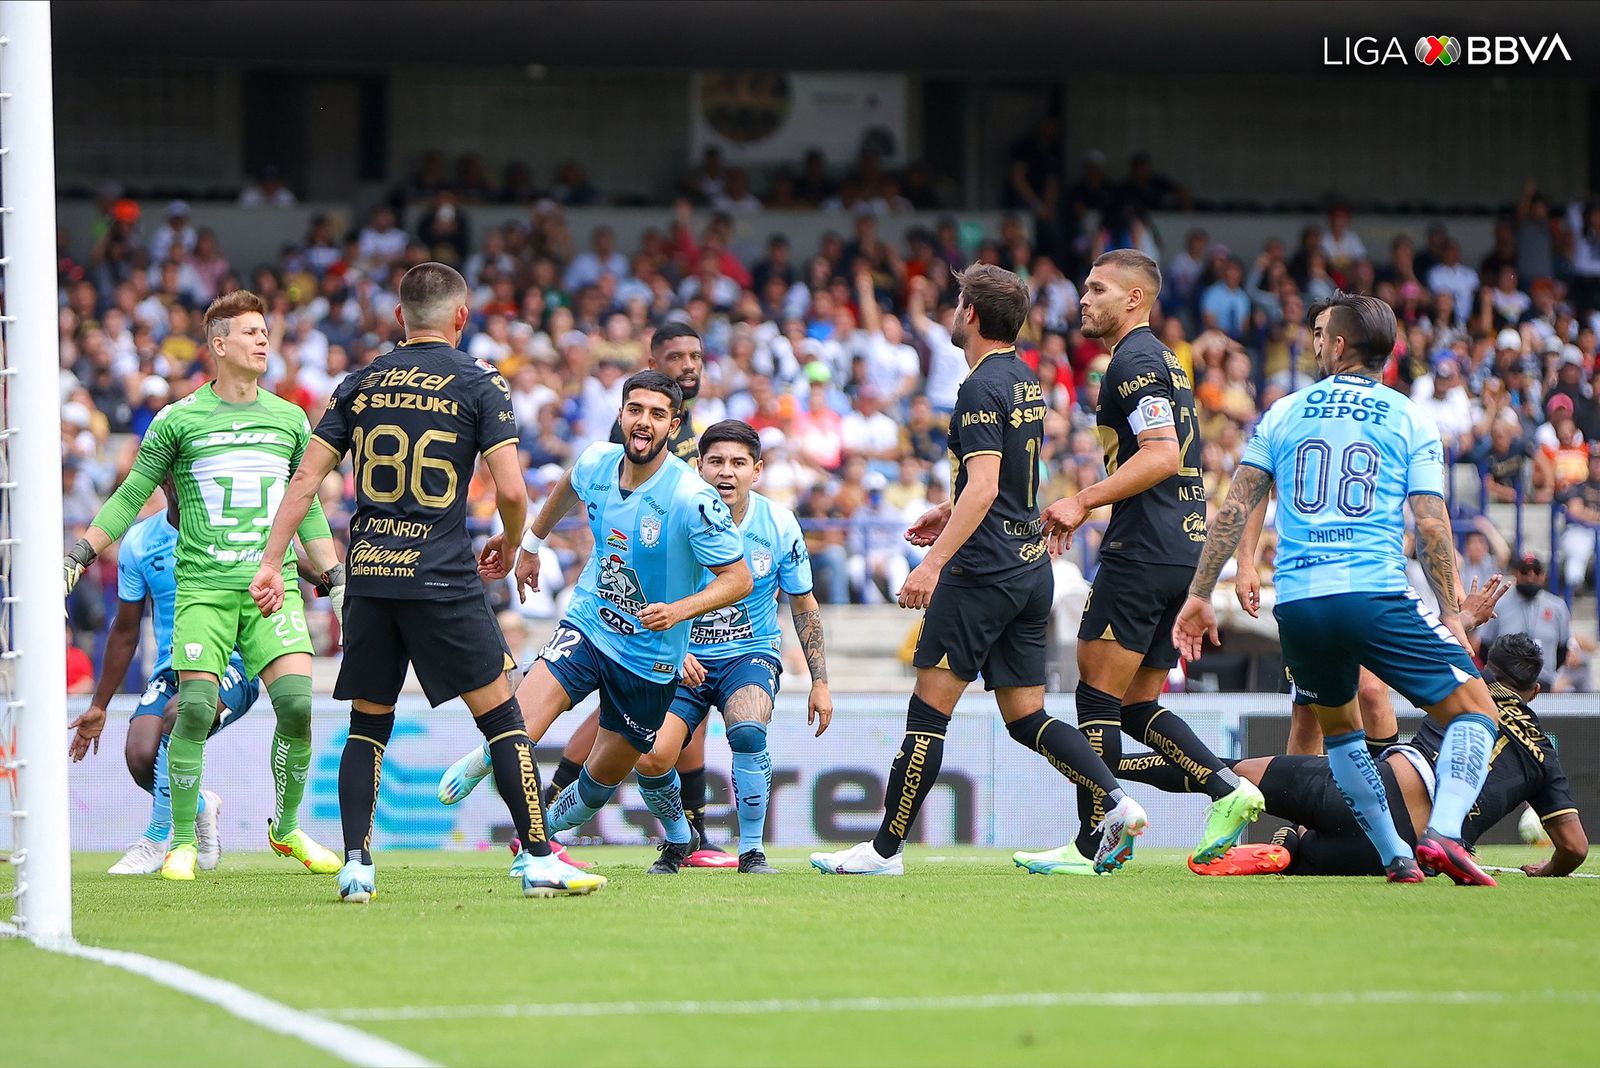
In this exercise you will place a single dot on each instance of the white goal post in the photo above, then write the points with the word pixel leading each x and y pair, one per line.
pixel 33 738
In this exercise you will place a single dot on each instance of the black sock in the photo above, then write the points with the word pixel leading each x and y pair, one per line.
pixel 1100 720
pixel 1170 736
pixel 1376 746
pixel 1152 769
pixel 360 768
pixel 516 773
pixel 1070 753
pixel 912 775
pixel 692 785
pixel 566 774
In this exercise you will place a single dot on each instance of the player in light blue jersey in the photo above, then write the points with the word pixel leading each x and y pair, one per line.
pixel 145 572
pixel 658 528
pixel 1347 454
pixel 734 660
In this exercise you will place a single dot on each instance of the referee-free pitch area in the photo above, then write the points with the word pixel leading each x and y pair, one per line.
pixel 965 960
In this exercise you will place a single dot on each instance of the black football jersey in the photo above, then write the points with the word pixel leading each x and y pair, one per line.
pixel 1000 412
pixel 1523 766
pixel 414 422
pixel 1146 387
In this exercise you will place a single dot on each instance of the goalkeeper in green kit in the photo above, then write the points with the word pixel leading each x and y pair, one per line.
pixel 230 447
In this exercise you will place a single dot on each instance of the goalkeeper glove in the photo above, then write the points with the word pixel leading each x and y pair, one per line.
pixel 72 565
pixel 330 584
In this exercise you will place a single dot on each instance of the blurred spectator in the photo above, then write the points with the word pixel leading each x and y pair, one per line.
pixel 380 241
pixel 267 192
pixel 1582 504
pixel 176 231
pixel 1224 305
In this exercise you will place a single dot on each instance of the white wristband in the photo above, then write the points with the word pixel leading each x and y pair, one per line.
pixel 531 542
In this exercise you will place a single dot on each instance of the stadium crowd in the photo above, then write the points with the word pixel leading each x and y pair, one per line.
pixel 840 355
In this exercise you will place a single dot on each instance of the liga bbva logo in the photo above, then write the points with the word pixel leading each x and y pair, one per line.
pixel 1443 50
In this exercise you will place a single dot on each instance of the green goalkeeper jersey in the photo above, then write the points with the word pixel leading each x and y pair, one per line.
pixel 230 464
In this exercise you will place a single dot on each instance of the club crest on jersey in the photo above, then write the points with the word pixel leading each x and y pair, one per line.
pixel 617 539
pixel 761 563
pixel 192 650
pixel 649 531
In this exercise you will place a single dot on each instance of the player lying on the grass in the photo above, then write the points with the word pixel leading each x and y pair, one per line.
pixel 734 661
pixel 986 586
pixel 1348 454
pixel 230 448
pixel 1147 559
pixel 1325 838
pixel 658 528
pixel 416 420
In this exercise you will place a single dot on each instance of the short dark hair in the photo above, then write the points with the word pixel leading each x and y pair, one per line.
pixel 999 297
pixel 1517 659
pixel 655 382
pixel 667 331
pixel 1367 325
pixel 736 431
pixel 429 292
pixel 1129 259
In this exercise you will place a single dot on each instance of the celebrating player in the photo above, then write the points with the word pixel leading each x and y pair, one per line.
pixel 145 571
pixel 1348 454
pixel 676 352
pixel 1146 422
pixel 986 585
pixel 1325 838
pixel 415 422
pixel 733 661
pixel 657 528
pixel 230 447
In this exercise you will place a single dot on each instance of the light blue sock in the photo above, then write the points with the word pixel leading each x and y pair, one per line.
pixel 752 780
pixel 578 803
pixel 1463 765
pixel 664 799
pixel 1358 780
pixel 160 825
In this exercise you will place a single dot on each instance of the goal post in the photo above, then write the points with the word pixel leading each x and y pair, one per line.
pixel 33 660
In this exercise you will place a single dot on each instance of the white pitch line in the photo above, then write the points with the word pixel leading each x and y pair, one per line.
pixel 1516 871
pixel 343 1042
pixel 1044 999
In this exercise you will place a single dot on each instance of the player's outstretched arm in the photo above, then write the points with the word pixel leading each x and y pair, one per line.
pixel 1571 848
pixel 121 642
pixel 1436 552
pixel 150 466
pixel 729 583
pixel 491 562
pixel 808 627
pixel 983 486
pixel 266 589
pixel 1156 460
pixel 1198 619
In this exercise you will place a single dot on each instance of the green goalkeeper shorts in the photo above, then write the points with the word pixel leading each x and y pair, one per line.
pixel 209 623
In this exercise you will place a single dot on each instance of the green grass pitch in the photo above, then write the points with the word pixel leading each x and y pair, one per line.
pixel 1332 971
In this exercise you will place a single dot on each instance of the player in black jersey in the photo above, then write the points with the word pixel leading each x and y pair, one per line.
pixel 1326 839
pixel 676 352
pixel 415 422
pixel 986 583
pixel 1147 426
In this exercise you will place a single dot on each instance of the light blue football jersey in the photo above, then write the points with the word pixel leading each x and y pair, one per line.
pixel 1344 453
pixel 776 552
pixel 146 567
pixel 650 545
